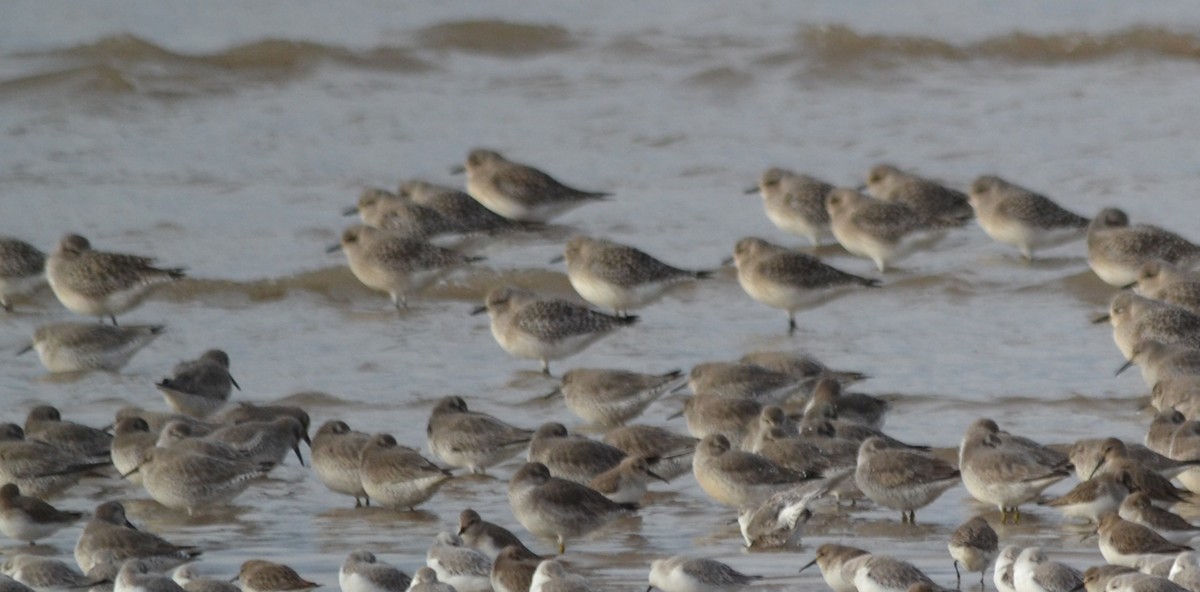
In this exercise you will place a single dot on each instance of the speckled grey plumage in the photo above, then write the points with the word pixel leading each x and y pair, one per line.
pixel 520 192
pixel 110 534
pixel 471 440
pixel 933 201
pixel 101 284
pixel 1117 250
pixel 201 386
pixel 336 458
pixel 672 451
pixel 551 507
pixel 620 277
pixel 879 230
pixel 397 264
pixel 795 203
pixel 610 397
pixel 22 270
pixel 1016 216
pixel 74 347
pixel 571 456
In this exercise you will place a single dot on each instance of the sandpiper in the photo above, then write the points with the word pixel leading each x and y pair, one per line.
pixel 902 479
pixel 45 573
pixel 686 574
pixel 29 519
pixel 472 440
pixel 1034 572
pixel 258 575
pixel 45 424
pixel 389 212
pixel 189 579
pixel 485 537
pixel 932 201
pixel 101 284
pixel 265 441
pixel 39 469
pixel 1136 319
pixel 801 366
pixel 396 476
pixel 570 456
pixel 974 545
pixel 552 507
pixel 457 208
pixel 551 576
pixel 672 451
pixel 1006 470
pixel 778 521
pixel 735 478
pixel 881 231
pixel 626 482
pixel 1162 281
pixel 201 386
pixel 1093 498
pixel 533 327
pixel 1140 509
pixel 831 558
pixel 426 580
pixel 184 480
pixel 460 566
pixel 612 397
pixel 1002 573
pixel 336 454
pixel 1127 543
pixel 513 569
pixel 517 191
pixel 880 573
pixel 110 533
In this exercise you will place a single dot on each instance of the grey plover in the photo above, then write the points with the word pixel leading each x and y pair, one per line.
pixel 778 521
pixel 391 213
pixel 673 452
pixel 397 476
pixel 110 532
pixel 28 519
pixel 472 440
pixel 686 574
pixel 336 459
pixel 881 573
pixel 830 559
pixel 460 210
pixel 626 482
pixel 486 537
pixel 258 575
pixel 363 572
pixel 101 284
pixel 611 397
pixel 881 231
pixel 551 507
pixel 396 264
pixel 620 277
pixel 737 478
pixel 974 545
pixel 1003 470
pixel 22 270
pixel 76 347
pixel 1127 543
pixel 1117 250
pixel 932 201
pixel 1013 215
pixel 1162 281
pixel 572 456
pixel 517 191
pixel 735 380
pixel 201 386
pixel 460 566
pixel 1135 319
pixel 1159 361
pixel 533 327
pixel 788 279
pixel 902 479
pixel 1034 572
pixel 795 203
pixel 801 366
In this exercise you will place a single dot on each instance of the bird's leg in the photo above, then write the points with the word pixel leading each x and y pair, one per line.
pixel 546 367
pixel 791 323
pixel 957 577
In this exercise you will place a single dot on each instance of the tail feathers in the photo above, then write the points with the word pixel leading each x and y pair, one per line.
pixel 628 319
pixel 474 259
pixel 703 274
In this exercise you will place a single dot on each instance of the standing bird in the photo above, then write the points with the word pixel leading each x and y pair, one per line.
pixel 879 230
pixel 102 284
pixel 620 277
pixel 29 519
pixel 1116 250
pixel 486 537
pixel 183 480
pixel 1016 216
pixel 394 263
pixel 787 279
pixel 22 270
pixel 38 469
pixel 795 203
pixel 76 347
pixel 932 201
pixel 397 476
pixel 336 459
pixel 902 479
pixel 471 440
pixel 551 507
pixel 533 327
pixel 517 191
pixel 974 545
pixel 201 386
pixel 1006 470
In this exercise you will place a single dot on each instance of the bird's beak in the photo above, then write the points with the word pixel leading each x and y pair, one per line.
pixel 25 349
pixel 659 477
pixel 1101 319
pixel 751 190
pixel 350 211
pixel 458 169
pixel 861 188
pixel 1124 367
pixel 298 455
pixel 1129 286
pixel 726 262
pixel 1098 465
pixel 808 565
pixel 333 248
pixel 478 310
pixel 234 383
pixel 558 259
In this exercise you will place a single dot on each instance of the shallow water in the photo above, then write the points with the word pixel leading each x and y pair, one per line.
pixel 230 141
